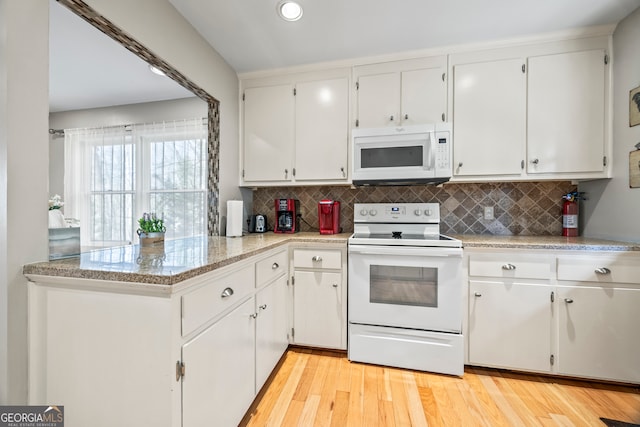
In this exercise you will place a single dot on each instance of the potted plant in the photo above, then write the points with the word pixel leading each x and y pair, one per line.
pixel 151 230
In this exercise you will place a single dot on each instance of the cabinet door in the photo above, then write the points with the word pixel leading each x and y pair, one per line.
pixel 379 100
pixel 268 133
pixel 219 379
pixel 598 335
pixel 317 309
pixel 271 328
pixel 489 118
pixel 322 119
pixel 424 96
pixel 566 112
pixel 510 325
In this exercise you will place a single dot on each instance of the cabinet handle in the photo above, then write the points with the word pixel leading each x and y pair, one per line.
pixel 335 285
pixel 316 258
pixel 286 173
pixel 275 266
pixel 344 175
pixel 568 300
pixel 263 307
pixel 603 270
pixel 390 118
pixel 477 294
pixel 508 267
pixel 535 161
pixel 226 293
pixel 406 117
pixel 253 315
pixel 443 117
pixel 460 164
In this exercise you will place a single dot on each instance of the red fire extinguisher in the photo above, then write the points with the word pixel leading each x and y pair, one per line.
pixel 570 214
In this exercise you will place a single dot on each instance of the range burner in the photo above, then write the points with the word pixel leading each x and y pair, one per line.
pixel 396 234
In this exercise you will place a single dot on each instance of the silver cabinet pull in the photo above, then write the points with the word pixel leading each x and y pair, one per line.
pixel 335 285
pixel 275 266
pixel 508 267
pixel 406 117
pixel 316 258
pixel 344 175
pixel 535 161
pixel 390 118
pixel 477 294
pixel 286 173
pixel 253 315
pixel 226 293
pixel 263 307
pixel 603 270
pixel 460 164
pixel 568 300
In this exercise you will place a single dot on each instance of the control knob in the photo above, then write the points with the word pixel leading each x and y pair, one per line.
pixel 427 212
pixel 418 212
pixel 363 212
pixel 373 212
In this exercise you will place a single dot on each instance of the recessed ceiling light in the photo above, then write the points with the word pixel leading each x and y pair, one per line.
pixel 289 10
pixel 156 70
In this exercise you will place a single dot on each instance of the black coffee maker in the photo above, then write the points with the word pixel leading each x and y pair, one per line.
pixel 287 216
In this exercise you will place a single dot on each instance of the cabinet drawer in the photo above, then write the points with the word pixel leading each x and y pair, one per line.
pixel 317 258
pixel 520 266
pixel 271 268
pixel 607 269
pixel 209 301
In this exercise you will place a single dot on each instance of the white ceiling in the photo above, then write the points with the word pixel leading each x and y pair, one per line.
pixel 88 69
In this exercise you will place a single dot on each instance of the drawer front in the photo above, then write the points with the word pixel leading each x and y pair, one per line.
pixel 317 258
pixel 518 266
pixel 207 302
pixel 604 269
pixel 271 268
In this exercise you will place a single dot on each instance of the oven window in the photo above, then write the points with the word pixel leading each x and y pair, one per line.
pixel 416 286
pixel 391 157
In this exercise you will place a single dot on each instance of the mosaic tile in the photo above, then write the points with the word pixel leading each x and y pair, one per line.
pixel 520 208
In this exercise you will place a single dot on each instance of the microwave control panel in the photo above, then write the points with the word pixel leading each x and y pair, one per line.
pixel 443 153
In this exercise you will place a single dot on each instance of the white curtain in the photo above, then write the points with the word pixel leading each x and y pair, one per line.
pixel 114 174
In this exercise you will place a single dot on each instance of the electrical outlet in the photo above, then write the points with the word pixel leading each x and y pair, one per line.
pixel 488 213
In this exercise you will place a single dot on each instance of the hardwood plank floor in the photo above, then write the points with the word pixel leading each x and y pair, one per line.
pixel 322 388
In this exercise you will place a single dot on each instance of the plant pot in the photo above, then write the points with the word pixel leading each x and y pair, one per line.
pixel 151 239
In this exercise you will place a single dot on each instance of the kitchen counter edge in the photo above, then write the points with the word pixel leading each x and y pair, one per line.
pixel 545 242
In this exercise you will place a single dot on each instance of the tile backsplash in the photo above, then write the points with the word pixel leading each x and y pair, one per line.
pixel 520 208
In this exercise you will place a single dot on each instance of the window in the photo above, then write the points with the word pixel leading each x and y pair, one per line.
pixel 113 175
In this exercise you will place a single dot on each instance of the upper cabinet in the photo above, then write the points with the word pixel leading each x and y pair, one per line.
pixel 296 129
pixel 400 93
pixel 533 112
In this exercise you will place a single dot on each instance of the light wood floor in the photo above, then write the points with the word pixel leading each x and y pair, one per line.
pixel 321 388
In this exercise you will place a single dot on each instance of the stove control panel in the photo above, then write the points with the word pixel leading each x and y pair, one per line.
pixel 420 213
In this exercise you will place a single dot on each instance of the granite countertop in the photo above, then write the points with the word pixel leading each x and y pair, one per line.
pixel 544 242
pixel 178 260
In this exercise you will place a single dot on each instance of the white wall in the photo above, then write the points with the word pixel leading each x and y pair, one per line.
pixel 149 112
pixel 24 159
pixel 612 210
pixel 159 27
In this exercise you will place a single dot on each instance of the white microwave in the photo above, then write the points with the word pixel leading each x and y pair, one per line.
pixel 402 155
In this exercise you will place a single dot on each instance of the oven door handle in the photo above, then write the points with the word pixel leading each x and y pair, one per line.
pixel 404 250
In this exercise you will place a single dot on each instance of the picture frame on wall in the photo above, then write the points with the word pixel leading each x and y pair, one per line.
pixel 634 106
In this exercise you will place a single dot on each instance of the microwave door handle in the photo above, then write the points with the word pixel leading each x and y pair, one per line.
pixel 432 149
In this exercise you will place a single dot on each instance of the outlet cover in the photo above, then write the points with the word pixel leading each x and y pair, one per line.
pixel 488 213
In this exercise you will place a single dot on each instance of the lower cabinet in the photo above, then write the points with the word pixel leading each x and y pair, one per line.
pixel 320 297
pixel 580 318
pixel 599 332
pixel 219 381
pixel 510 325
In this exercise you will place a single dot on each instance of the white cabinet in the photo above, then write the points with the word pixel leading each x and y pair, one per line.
pixel 271 328
pixel 489 100
pixel 319 297
pixel 268 133
pixel 599 320
pixel 534 112
pixel 401 93
pixel 175 356
pixel 296 129
pixel 570 313
pixel 510 325
pixel 566 112
pixel 510 310
pixel 219 370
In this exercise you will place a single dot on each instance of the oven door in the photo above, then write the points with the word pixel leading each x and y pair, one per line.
pixel 406 287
